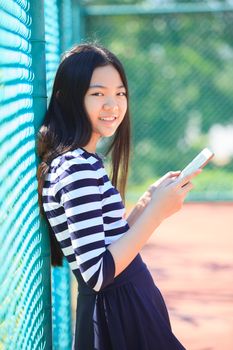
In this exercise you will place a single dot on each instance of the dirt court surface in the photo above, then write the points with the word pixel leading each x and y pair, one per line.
pixel 191 259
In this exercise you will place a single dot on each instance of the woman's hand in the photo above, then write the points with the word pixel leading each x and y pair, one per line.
pixel 158 189
pixel 169 192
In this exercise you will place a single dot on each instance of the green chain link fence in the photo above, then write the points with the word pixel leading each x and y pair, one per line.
pixel 30 47
pixel 22 310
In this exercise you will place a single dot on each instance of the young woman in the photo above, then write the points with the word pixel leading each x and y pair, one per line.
pixel 119 307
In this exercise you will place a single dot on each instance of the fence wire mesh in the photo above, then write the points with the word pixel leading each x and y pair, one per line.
pixel 21 296
pixel 25 279
pixel 180 76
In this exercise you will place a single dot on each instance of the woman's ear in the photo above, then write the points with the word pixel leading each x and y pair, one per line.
pixel 57 94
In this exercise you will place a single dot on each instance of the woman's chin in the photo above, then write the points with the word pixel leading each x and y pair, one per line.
pixel 108 133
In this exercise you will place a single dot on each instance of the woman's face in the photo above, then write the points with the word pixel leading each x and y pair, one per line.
pixel 105 103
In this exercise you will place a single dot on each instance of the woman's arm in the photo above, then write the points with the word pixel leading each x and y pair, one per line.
pixel 81 225
pixel 166 199
pixel 139 208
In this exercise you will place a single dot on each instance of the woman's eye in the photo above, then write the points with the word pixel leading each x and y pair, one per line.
pixel 122 93
pixel 97 94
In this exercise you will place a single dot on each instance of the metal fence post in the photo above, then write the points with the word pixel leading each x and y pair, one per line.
pixel 66 24
pixel 39 107
pixel 78 22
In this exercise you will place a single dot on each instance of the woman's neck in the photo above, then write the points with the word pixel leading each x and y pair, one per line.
pixel 92 144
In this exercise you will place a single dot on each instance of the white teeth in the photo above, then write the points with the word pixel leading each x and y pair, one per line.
pixel 108 119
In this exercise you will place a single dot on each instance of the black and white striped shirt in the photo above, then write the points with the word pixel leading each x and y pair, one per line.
pixel 86 213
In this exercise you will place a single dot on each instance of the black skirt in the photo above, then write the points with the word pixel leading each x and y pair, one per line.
pixel 129 314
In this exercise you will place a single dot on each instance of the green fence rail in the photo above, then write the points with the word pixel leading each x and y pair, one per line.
pixel 62 327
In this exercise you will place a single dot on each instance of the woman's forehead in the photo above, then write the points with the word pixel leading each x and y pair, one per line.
pixel 106 76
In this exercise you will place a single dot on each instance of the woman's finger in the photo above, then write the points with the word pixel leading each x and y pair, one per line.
pixel 182 181
pixel 172 174
pixel 169 175
pixel 186 188
pixel 165 180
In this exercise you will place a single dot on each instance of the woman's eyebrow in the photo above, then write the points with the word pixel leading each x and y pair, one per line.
pixel 93 86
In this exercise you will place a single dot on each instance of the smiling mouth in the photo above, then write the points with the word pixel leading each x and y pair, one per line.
pixel 108 119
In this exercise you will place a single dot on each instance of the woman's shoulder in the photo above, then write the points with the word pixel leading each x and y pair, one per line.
pixel 72 167
pixel 68 158
pixel 74 161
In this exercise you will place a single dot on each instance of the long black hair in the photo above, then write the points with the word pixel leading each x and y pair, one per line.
pixel 66 124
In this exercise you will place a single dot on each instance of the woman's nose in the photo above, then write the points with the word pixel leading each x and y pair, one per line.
pixel 110 104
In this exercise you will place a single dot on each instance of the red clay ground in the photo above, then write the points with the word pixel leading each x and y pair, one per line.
pixel 191 259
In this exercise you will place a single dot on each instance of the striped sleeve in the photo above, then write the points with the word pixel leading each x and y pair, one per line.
pixel 80 195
